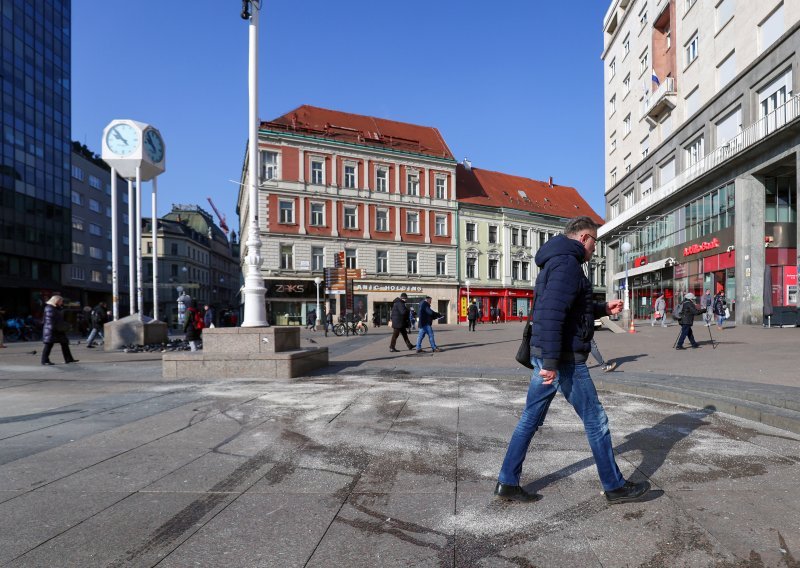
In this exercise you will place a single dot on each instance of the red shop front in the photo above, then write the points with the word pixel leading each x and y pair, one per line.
pixel 505 304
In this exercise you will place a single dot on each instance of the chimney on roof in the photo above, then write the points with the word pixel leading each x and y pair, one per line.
pixel 551 181
pixel 467 164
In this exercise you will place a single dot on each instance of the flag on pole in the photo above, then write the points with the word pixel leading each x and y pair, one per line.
pixel 655 79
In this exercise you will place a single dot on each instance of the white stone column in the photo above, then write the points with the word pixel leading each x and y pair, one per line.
pixel 334 217
pixel 302 216
pixel 397 223
pixel 301 176
pixel 427 213
pixel 366 174
pixel 366 220
pixel 334 181
pixel 423 182
pixel 397 178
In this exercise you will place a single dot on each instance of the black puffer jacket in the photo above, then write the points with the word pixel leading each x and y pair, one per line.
pixel 53 327
pixel 564 311
pixel 688 311
pixel 401 316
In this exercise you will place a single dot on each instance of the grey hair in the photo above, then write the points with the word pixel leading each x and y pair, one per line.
pixel 578 224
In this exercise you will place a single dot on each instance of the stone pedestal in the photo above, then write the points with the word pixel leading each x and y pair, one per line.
pixel 130 329
pixel 246 352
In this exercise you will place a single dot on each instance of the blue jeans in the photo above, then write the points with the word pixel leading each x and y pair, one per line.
pixel 686 331
pixel 423 330
pixel 95 333
pixel 575 383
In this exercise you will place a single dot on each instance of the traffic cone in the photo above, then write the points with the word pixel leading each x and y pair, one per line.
pixel 631 329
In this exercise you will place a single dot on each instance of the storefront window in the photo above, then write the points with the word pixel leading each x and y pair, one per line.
pixel 779 204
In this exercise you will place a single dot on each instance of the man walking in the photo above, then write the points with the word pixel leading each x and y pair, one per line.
pixel 426 317
pixel 472 315
pixel 98 318
pixel 687 312
pixel 401 321
pixel 707 306
pixel 563 327
pixel 659 312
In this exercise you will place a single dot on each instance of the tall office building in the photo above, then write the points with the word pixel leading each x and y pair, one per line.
pixel 703 152
pixel 35 219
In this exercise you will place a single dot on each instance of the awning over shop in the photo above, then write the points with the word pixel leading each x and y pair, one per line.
pixel 649 267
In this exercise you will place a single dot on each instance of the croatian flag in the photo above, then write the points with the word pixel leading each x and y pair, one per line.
pixel 655 79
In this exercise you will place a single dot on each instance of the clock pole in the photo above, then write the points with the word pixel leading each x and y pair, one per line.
pixel 131 247
pixel 255 311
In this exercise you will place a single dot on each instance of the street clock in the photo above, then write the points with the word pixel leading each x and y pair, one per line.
pixel 128 144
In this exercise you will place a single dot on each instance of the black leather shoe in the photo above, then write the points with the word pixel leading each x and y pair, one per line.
pixel 72 361
pixel 515 493
pixel 410 347
pixel 47 363
pixel 393 350
pixel 679 347
pixel 695 347
pixel 628 492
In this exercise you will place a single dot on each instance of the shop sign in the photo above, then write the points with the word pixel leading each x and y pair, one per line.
pixel 640 261
pixel 701 247
pixel 387 288
pixel 290 289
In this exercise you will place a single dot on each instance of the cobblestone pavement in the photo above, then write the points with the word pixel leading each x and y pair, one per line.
pixel 390 460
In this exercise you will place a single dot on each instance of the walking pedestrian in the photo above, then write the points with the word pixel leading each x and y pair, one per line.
pixel 493 315
pixel 707 306
pixel 659 311
pixel 687 312
pixel 720 308
pixel 426 317
pixel 311 319
pixel 208 316
pixel 98 318
pixel 607 367
pixel 472 315
pixel 55 330
pixel 400 322
pixel 193 325
pixel 563 326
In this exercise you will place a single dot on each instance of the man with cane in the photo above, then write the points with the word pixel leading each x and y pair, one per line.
pixel 686 313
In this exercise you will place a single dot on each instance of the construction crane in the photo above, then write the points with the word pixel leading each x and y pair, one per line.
pixel 222 224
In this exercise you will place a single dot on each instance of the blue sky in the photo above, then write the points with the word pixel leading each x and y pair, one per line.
pixel 515 85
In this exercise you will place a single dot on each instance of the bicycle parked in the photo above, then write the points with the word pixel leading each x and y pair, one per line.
pixel 16 329
pixel 348 327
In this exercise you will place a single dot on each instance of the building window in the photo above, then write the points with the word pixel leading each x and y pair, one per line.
pixel 626 125
pixel 287 257
pixel 96 276
pixel 412 180
pixel 77 273
pixel 612 105
pixel 78 248
pixel 493 264
pixel 317 258
pixel 471 268
pixel 626 162
pixel 626 84
pixel 644 63
pixel 626 45
pixel 318 172
pixel 628 199
pixel 614 176
pixel 688 4
pixel 726 70
pixel 524 234
pixel 350 217
pixel 441 187
pixel 646 186
pixel 613 143
pixel 612 68
pixel 441 265
pixel 95 182
pixel 318 214
pixel 77 223
pixel 771 28
pixel 77 173
pixel 441 226
pixel 692 49
pixel 613 210
pixel 350 175
pixel 525 271
pixel 382 179
pixel 643 17
pixel 645 146
pixel 96 252
pixel 780 203
pixel 411 260
pixel 515 236
pixel 515 270
pixel 94 205
pixel 412 222
pixel 666 171
pixel 381 220
pixel 286 214
pixel 492 234
pixel 108 211
pixel 77 198
pixel 382 262
pixel 350 258
pixel 95 230
pixel 694 151
pixel 471 234
pixel 269 165
pixel 173 249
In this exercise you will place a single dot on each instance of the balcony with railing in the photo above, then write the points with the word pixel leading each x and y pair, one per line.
pixel 659 100
pixel 768 125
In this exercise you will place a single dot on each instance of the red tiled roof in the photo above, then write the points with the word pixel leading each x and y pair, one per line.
pixel 496 189
pixel 365 130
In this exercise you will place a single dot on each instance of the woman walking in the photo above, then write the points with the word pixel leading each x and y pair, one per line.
pixel 55 331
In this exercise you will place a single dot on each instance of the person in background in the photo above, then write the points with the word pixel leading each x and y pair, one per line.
pixel 659 311
pixel 607 367
pixel 707 305
pixel 426 317
pixel 208 316
pixel 472 315
pixel 193 325
pixel 311 320
pixel 563 327
pixel 98 318
pixel 376 319
pixel 400 322
pixel 55 331
pixel 720 307
pixel 688 310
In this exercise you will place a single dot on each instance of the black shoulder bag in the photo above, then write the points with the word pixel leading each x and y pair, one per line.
pixel 523 355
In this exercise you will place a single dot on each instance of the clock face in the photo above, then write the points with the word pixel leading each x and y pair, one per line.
pixel 153 145
pixel 122 139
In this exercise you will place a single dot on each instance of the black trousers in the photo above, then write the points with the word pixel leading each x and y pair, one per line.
pixel 397 332
pixel 471 325
pixel 64 351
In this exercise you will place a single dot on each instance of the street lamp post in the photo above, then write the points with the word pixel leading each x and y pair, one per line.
pixel 467 283
pixel 255 309
pixel 317 281
pixel 626 307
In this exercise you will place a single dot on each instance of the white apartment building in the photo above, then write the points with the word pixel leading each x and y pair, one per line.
pixel 702 152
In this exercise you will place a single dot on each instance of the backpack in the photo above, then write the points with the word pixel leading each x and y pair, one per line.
pixel 677 311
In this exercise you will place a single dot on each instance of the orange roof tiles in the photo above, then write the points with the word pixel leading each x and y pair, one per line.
pixel 495 189
pixel 364 130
